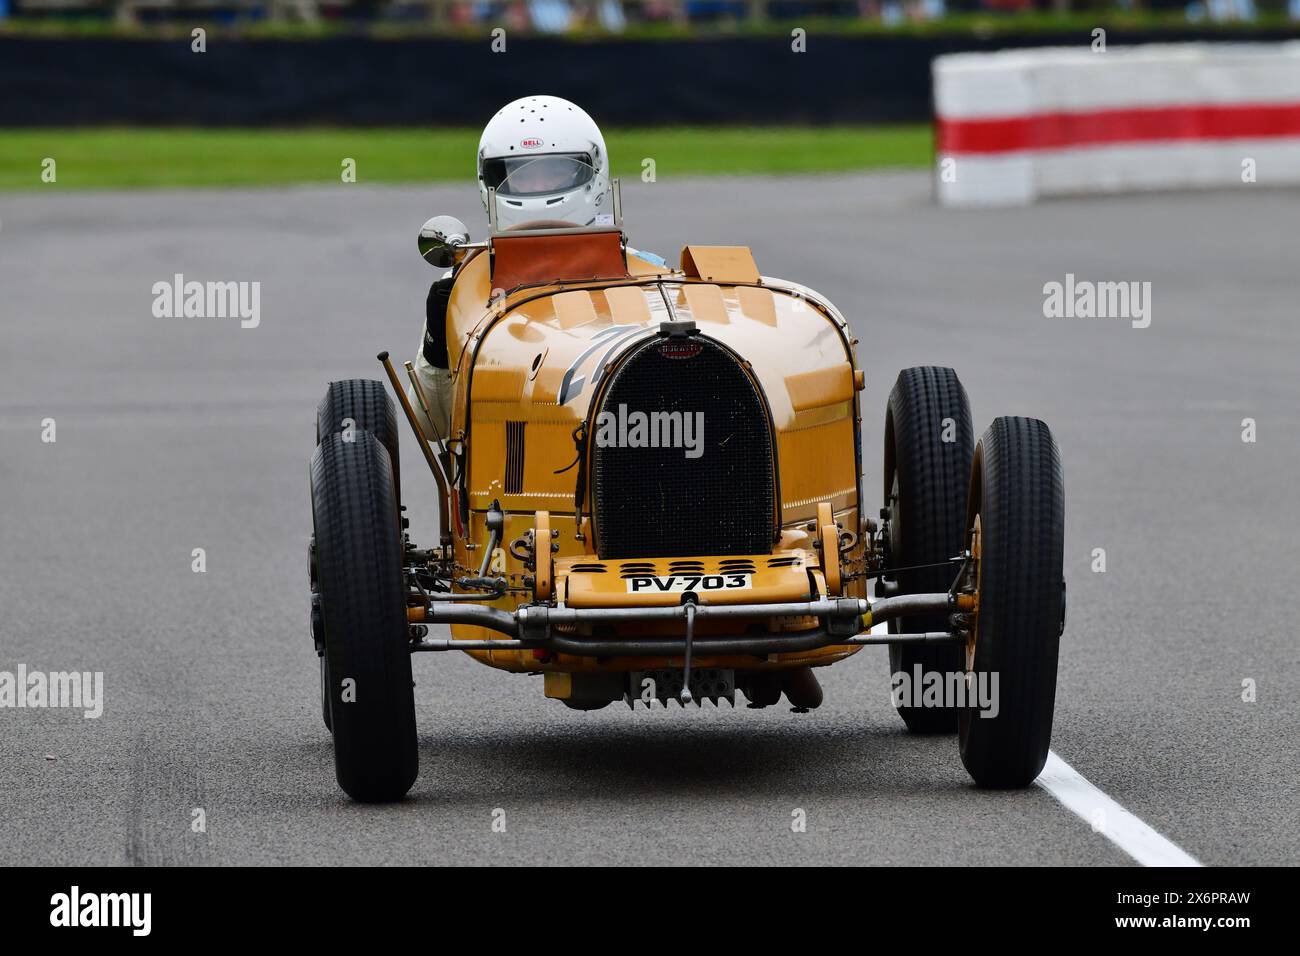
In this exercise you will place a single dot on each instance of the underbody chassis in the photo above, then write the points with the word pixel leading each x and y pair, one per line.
pixel 841 622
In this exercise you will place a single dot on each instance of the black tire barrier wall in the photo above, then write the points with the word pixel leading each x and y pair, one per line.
pixel 362 81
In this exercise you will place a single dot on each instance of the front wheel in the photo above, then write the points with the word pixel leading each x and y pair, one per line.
pixel 363 613
pixel 1016 528
pixel 325 694
pixel 928 439
pixel 361 404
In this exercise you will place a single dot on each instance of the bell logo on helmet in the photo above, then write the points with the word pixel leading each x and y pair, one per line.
pixel 531 142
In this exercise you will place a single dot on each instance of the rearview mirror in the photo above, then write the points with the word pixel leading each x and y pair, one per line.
pixel 439 239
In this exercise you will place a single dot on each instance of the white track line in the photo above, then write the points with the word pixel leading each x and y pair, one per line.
pixel 1108 818
pixel 1073 791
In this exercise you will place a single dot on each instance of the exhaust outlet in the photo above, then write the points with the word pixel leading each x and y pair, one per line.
pixel 802 689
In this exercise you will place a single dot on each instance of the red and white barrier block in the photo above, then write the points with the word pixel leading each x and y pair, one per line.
pixel 1019 124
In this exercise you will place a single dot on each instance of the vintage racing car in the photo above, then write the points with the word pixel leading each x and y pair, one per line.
pixel 650 490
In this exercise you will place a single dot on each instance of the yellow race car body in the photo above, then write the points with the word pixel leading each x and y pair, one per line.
pixel 536 365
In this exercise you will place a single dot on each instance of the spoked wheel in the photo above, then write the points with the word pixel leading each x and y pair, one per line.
pixel 370 702
pixel 928 439
pixel 1016 522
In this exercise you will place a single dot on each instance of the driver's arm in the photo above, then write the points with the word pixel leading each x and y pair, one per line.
pixel 431 365
pixel 435 322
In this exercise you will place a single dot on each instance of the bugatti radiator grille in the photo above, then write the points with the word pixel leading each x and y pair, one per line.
pixel 682 460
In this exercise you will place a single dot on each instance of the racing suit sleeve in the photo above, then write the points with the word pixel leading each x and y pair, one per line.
pixel 431 365
pixel 434 347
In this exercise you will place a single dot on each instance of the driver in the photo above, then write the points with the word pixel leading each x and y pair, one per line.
pixel 546 158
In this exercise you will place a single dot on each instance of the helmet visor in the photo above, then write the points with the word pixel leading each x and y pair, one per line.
pixel 537 175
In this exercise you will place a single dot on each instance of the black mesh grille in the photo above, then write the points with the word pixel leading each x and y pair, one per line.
pixel 657 502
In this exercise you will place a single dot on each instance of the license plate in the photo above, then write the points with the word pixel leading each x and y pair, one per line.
pixel 683 583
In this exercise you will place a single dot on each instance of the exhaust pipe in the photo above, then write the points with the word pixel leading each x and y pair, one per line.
pixel 802 689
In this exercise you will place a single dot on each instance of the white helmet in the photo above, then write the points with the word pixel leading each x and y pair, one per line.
pixel 546 159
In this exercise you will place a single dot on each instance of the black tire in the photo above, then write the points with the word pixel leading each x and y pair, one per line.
pixel 318 633
pixel 325 693
pixel 926 480
pixel 363 609
pixel 1018 494
pixel 368 404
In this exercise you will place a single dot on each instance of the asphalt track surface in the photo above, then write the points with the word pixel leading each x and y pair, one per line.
pixel 174 434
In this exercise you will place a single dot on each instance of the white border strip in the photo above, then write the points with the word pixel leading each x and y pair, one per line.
pixel 1108 818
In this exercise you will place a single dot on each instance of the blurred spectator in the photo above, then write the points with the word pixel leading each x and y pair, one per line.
pixel 610 14
pixel 616 16
pixel 930 10
pixel 1222 11
pixel 550 16
pixel 706 10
